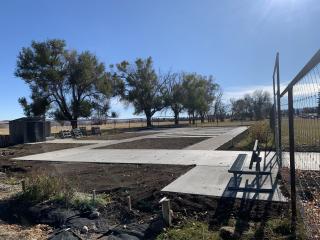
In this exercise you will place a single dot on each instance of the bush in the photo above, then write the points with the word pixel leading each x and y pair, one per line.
pixel 42 187
pixel 260 131
pixel 84 202
pixel 190 230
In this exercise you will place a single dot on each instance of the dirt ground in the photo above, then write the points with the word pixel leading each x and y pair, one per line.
pixel 142 182
pixel 118 136
pixel 157 143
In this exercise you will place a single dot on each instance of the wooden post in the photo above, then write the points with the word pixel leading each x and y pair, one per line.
pixel 93 196
pixel 166 211
pixel 129 203
pixel 23 184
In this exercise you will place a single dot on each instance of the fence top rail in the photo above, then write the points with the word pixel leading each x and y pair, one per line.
pixel 305 70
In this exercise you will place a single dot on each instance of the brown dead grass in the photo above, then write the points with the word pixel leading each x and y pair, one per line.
pixel 14 232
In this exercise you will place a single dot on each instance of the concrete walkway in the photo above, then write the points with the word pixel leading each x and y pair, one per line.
pixel 216 142
pixel 214 180
pixel 209 177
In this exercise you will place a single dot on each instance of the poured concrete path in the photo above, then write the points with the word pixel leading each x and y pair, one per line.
pixel 214 180
pixel 216 142
pixel 209 177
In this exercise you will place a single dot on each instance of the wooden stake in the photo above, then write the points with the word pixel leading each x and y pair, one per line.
pixel 23 184
pixel 166 211
pixel 129 203
pixel 93 196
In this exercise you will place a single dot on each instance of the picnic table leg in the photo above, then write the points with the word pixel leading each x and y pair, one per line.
pixel 235 180
pixel 258 174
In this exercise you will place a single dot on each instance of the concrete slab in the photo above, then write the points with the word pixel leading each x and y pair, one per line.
pixel 147 156
pixel 214 181
pixel 209 177
pixel 218 141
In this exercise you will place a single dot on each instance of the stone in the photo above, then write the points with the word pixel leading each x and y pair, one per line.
pixel 228 233
pixel 94 214
pixel 84 229
pixel 64 235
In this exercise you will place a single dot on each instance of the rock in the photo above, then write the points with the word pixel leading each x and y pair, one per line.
pixel 99 225
pixel 64 235
pixel 123 236
pixel 228 233
pixel 84 230
pixel 94 214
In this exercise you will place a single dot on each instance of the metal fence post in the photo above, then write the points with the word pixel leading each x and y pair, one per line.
pixel 292 160
pixel 279 112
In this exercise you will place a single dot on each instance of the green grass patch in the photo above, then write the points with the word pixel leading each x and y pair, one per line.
pixel 190 230
pixel 40 188
pixel 274 228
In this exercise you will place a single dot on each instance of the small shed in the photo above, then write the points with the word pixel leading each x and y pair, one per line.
pixel 28 130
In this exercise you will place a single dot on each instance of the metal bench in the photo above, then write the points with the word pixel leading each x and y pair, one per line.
pixel 255 155
pixel 65 134
pixel 84 131
pixel 237 170
pixel 95 131
pixel 237 167
pixel 76 132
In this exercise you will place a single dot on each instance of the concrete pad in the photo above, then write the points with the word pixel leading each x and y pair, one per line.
pixel 303 160
pixel 218 141
pixel 209 177
pixel 214 181
pixel 147 156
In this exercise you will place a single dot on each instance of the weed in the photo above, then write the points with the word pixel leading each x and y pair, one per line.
pixel 190 230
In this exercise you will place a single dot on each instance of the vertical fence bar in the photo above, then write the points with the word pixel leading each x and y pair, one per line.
pixel 292 160
pixel 279 111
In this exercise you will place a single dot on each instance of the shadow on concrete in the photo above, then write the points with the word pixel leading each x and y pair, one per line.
pixel 248 207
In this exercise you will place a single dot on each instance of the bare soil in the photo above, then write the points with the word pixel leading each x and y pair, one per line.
pixel 157 143
pixel 118 136
pixel 143 183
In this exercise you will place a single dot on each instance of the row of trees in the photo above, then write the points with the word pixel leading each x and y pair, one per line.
pixel 69 85
pixel 255 106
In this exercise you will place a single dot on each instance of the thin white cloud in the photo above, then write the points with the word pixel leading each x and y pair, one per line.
pixel 239 92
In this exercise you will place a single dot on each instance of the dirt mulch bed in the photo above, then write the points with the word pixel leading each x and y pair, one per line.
pixel 118 136
pixel 28 149
pixel 144 183
pixel 157 143
pixel 6 154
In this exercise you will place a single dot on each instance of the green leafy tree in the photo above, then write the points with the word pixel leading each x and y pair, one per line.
pixel 199 94
pixel 261 101
pixel 141 87
pixel 174 94
pixel 71 83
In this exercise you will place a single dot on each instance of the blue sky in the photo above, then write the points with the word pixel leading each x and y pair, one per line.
pixel 235 41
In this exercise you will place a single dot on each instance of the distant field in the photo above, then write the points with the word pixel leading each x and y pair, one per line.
pixel 4 131
pixel 306 131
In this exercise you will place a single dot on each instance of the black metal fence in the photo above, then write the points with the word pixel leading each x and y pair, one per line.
pixel 297 138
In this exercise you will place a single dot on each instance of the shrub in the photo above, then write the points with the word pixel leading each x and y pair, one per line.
pixel 190 230
pixel 84 202
pixel 41 187
pixel 260 131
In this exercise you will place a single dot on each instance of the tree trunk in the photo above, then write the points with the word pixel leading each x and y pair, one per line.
pixel 74 123
pixel 176 118
pixel 202 118
pixel 149 123
pixel 193 119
